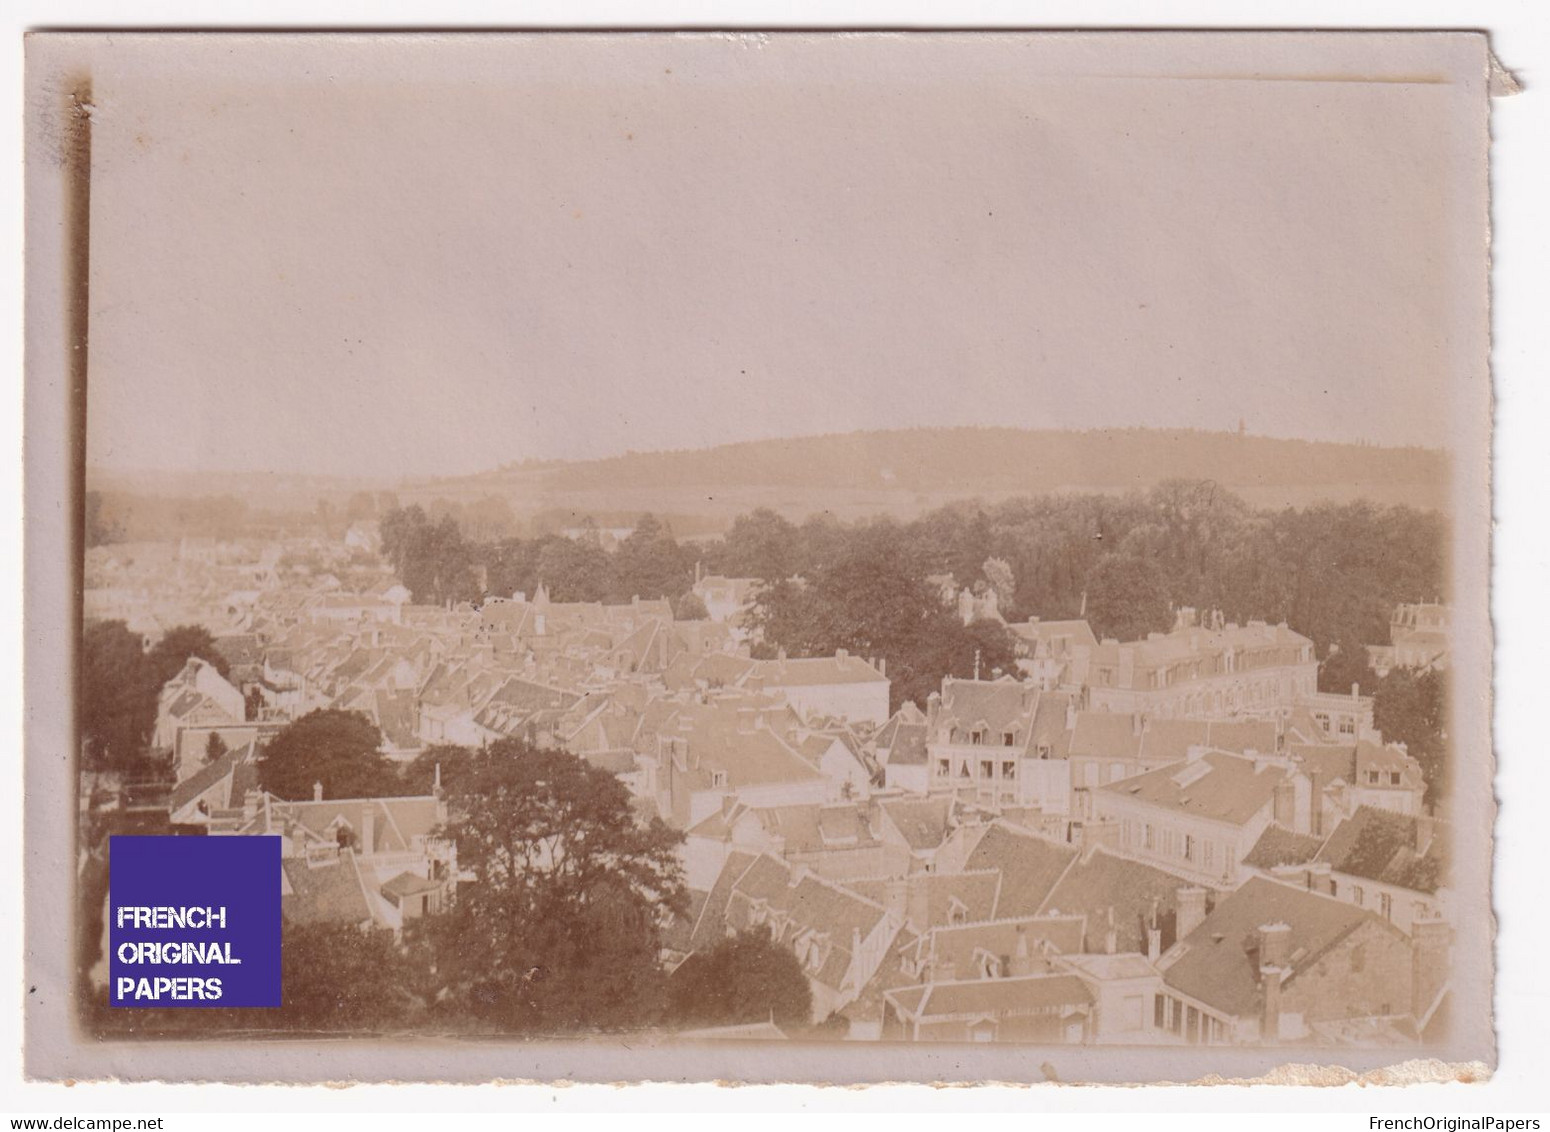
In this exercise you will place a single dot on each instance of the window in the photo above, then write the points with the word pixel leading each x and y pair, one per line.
pixel 977 737
pixel 718 779
pixel 1358 897
pixel 1394 778
pixel 1146 836
pixel 1372 778
pixel 963 771
pixel 1009 768
pixel 1189 847
pixel 1347 725
pixel 1009 739
pixel 943 768
pixel 1208 853
pixel 987 768
pixel 1385 905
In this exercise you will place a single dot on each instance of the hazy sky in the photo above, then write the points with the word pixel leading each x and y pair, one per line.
pixel 444 256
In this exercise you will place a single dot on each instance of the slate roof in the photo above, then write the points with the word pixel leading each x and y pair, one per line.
pixel 1030 868
pixel 1213 964
pixel 907 745
pixel 924 823
pixel 1227 789
pixel 1105 734
pixel 326 892
pixel 958 944
pixel 993 997
pixel 1280 846
pixel 1102 882
pixel 1381 846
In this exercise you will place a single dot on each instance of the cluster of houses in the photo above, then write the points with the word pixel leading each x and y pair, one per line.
pixel 1174 840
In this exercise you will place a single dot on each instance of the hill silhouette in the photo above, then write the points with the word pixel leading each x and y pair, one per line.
pixel 907 471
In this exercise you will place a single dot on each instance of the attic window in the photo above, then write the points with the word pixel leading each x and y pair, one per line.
pixel 1394 777
pixel 1009 738
pixel 977 737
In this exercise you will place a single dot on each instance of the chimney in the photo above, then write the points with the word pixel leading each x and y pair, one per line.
pixel 1071 714
pixel 1321 878
pixel 841 654
pixel 1195 753
pixel 436 782
pixel 1191 902
pixel 1110 942
pixel 1153 944
pixel 882 666
pixel 1430 940
pixel 368 830
pixel 1316 802
pixel 1022 960
pixel 1270 1021
pixel 1356 691
pixel 1275 944
pixel 1284 811
pixel 317 791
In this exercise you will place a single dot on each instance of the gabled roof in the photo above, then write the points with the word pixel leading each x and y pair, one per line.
pixel 325 891
pixel 1387 848
pixel 1221 787
pixel 934 899
pixel 992 998
pixel 923 823
pixel 1105 734
pixel 1030 868
pixel 1213 963
pixel 1107 889
pixel 1280 846
pixel 211 774
pixel 997 706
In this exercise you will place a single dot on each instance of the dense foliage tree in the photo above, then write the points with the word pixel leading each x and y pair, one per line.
pixel 457 765
pixel 1409 707
pixel 338 977
pixel 746 978
pixel 689 607
pixel 340 749
pixel 1127 598
pixel 761 544
pixel 215 747
pixel 650 564
pixel 559 929
pixel 168 655
pixel 117 702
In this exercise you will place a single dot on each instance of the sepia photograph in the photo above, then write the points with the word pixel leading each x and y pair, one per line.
pixel 759 556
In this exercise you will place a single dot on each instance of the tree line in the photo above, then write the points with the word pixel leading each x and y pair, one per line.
pixel 1124 562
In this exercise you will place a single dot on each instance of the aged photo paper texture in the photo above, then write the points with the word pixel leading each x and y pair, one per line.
pixel 804 557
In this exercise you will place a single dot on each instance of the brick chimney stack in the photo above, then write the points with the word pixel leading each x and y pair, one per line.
pixel 1191 909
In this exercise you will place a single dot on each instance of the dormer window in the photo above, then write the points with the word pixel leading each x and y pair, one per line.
pixel 1009 738
pixel 718 779
pixel 958 912
pixel 977 737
